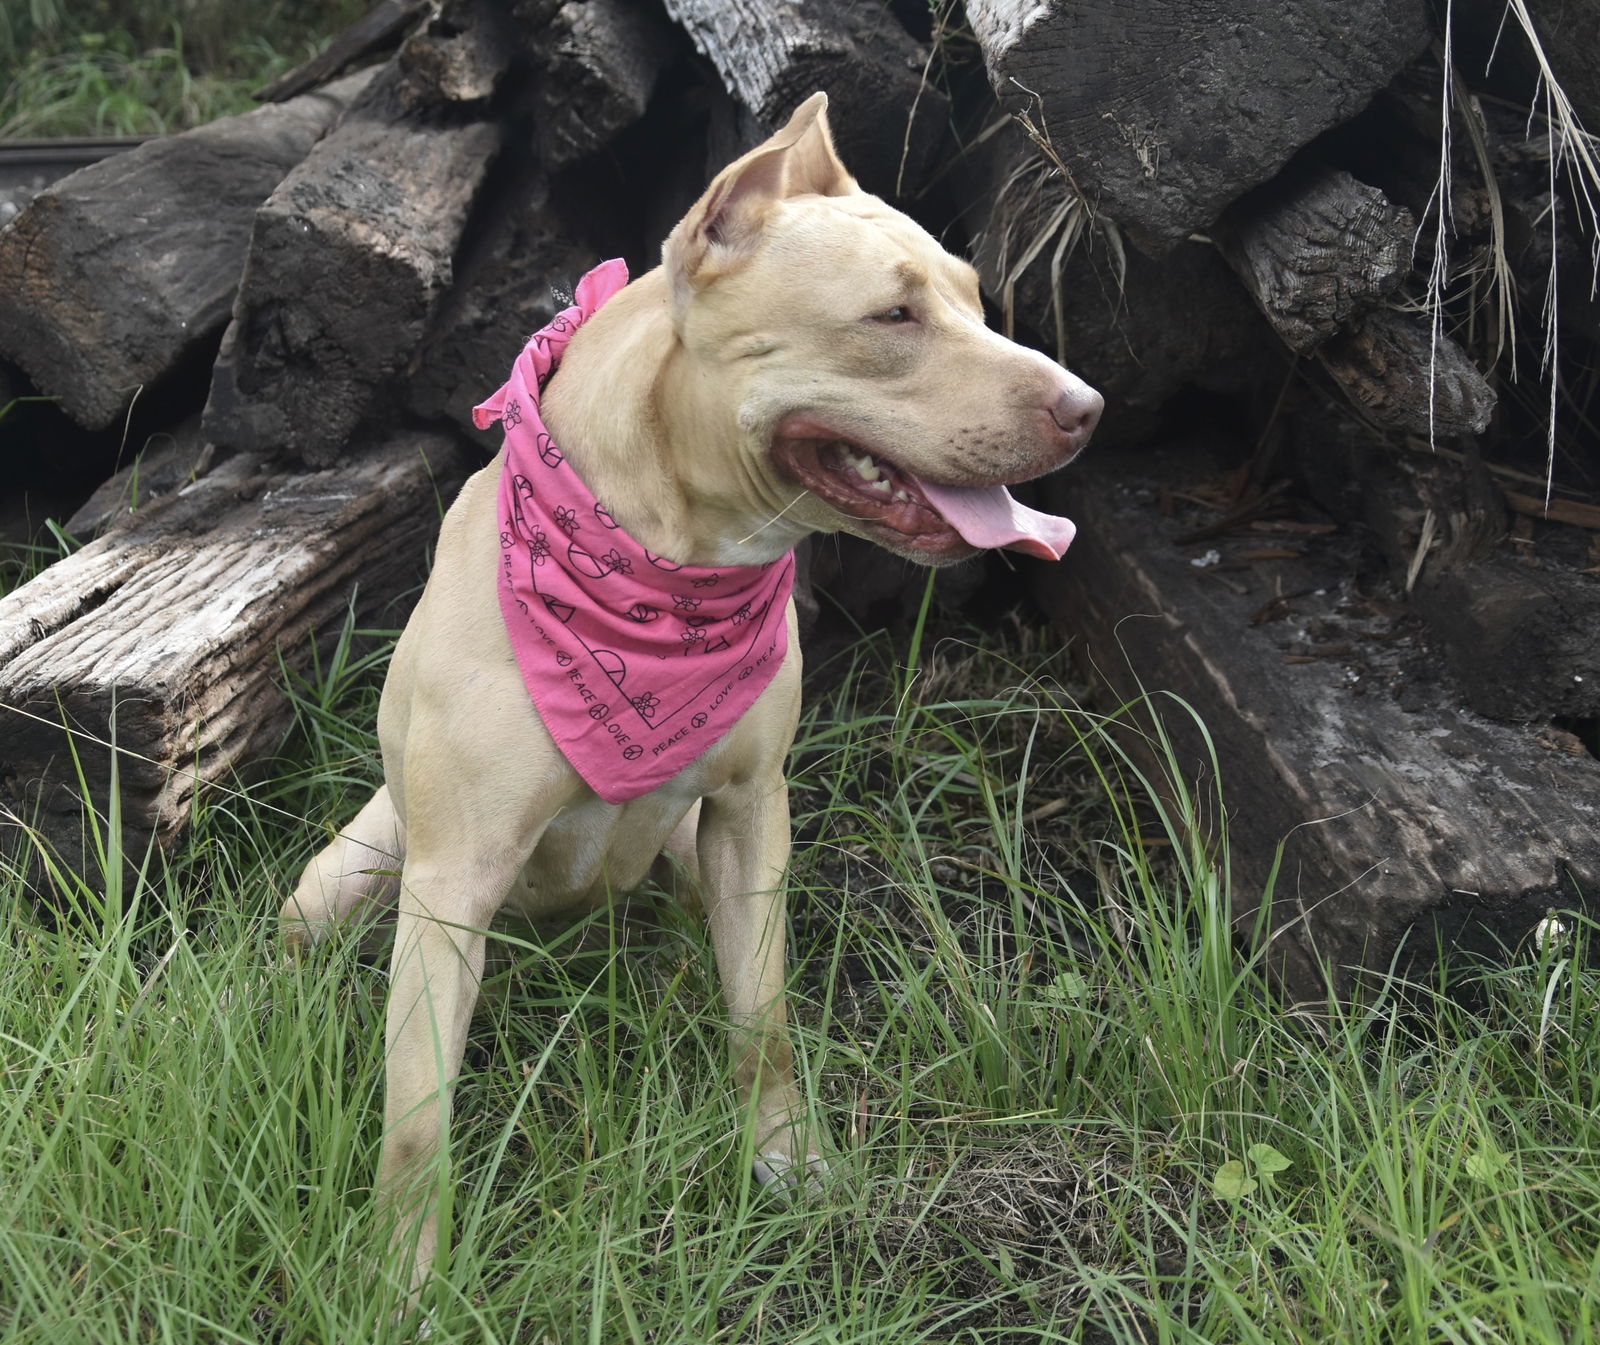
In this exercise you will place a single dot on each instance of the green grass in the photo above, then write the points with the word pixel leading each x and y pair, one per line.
pixel 1060 1107
pixel 148 67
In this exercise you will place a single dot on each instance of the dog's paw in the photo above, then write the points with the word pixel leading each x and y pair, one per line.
pixel 776 1170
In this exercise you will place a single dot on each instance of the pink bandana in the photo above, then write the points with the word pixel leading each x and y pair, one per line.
pixel 637 665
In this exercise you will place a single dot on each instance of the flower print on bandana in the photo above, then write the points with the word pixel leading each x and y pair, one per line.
pixel 636 664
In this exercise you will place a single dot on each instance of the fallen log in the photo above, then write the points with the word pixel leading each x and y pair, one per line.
pixel 460 54
pixel 1407 825
pixel 773 54
pixel 1315 250
pixel 113 277
pixel 1137 328
pixel 374 33
pixel 1515 617
pixel 1522 637
pixel 165 465
pixel 347 260
pixel 1408 378
pixel 1164 113
pixel 600 63
pixel 27 167
pixel 168 638
pixel 503 292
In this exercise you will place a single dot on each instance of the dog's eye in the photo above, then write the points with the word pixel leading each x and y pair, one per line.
pixel 899 313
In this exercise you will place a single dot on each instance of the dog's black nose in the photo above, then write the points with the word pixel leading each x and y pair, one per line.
pixel 1076 413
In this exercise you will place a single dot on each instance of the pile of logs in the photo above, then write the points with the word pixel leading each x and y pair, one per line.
pixel 259 343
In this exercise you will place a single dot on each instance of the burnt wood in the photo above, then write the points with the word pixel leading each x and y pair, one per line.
pixel 1402 818
pixel 461 54
pixel 1165 112
pixel 1513 612
pixel 773 54
pixel 1139 329
pixel 170 636
pixel 1316 249
pixel 114 276
pixel 376 31
pixel 601 60
pixel 504 291
pixel 347 260
pixel 1407 377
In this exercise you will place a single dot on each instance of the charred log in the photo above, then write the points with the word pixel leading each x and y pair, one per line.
pixel 347 260
pixel 117 274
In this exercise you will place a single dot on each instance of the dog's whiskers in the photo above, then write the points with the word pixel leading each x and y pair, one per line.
pixel 786 508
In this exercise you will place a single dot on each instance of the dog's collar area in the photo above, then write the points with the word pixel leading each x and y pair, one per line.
pixel 637 664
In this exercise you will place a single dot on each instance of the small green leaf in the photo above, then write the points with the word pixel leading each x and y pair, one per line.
pixel 1230 1182
pixel 1266 1160
pixel 1487 1163
pixel 1069 985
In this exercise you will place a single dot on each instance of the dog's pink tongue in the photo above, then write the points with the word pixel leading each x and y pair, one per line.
pixel 987 516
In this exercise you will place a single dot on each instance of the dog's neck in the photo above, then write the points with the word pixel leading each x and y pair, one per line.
pixel 625 408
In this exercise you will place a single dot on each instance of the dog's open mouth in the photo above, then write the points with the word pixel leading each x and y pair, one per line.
pixel 933 520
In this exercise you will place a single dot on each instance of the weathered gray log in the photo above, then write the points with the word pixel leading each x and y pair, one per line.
pixel 1315 250
pixel 600 62
pixel 1138 329
pixel 773 54
pixel 461 53
pixel 375 32
pixel 1166 112
pixel 1522 640
pixel 165 636
pixel 501 296
pixel 1403 377
pixel 347 260
pixel 1404 820
pixel 115 275
pixel 165 465
pixel 28 166
pixel 1516 619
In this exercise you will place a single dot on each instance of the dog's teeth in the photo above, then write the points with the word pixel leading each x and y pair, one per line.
pixel 863 464
pixel 903 495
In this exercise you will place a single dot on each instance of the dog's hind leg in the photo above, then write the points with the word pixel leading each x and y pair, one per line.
pixel 359 867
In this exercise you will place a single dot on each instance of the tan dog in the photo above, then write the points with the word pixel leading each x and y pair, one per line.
pixel 806 359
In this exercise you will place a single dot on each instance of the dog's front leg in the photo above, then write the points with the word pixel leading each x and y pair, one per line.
pixel 444 911
pixel 743 850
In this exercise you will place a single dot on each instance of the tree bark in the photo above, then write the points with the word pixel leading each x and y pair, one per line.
pixel 116 275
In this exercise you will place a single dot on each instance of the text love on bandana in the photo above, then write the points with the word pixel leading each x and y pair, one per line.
pixel 636 664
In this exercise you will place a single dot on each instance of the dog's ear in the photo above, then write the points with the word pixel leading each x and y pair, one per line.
pixel 812 165
pixel 724 227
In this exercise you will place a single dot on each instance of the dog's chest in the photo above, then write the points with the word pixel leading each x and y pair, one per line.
pixel 593 851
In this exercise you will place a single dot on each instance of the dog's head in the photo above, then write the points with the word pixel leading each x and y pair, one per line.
pixel 864 377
